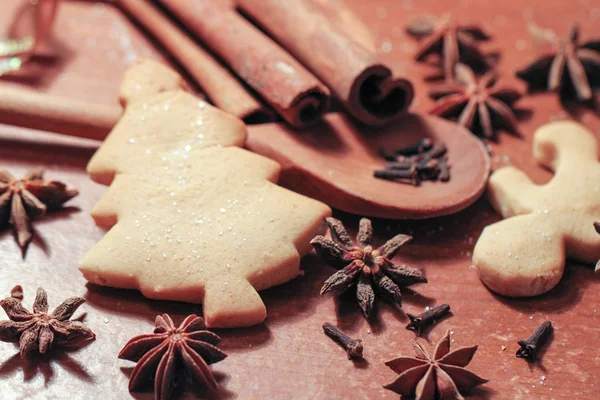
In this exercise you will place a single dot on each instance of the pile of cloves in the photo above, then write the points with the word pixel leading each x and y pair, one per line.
pixel 421 161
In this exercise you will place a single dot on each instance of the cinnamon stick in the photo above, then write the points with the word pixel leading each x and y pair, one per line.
pixel 217 82
pixel 298 96
pixel 30 109
pixel 363 84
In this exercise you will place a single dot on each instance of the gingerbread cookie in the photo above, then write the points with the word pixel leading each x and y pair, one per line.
pixel 192 216
pixel 146 79
pixel 524 255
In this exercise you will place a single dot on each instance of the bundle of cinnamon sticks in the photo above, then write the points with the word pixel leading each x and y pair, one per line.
pixel 261 58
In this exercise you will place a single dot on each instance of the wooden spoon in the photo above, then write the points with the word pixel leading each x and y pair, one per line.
pixel 334 162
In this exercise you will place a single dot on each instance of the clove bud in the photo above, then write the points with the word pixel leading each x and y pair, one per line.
pixel 353 347
pixel 530 347
pixel 419 323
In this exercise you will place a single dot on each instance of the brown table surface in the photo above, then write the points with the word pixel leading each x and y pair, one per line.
pixel 288 356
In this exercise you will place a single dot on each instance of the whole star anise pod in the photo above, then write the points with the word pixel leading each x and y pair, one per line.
pixel 39 330
pixel 454 42
pixel 169 349
pixel 566 66
pixel 361 265
pixel 27 198
pixel 440 377
pixel 482 104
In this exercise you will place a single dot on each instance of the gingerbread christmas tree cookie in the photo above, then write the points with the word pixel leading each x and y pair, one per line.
pixel 192 216
pixel 524 255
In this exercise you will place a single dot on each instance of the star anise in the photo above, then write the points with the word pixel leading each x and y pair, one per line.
pixel 169 349
pixel 27 198
pixel 39 330
pixel 566 66
pixel 479 105
pixel 454 42
pixel 361 265
pixel 440 377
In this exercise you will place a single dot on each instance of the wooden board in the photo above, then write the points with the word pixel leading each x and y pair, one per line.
pixel 288 356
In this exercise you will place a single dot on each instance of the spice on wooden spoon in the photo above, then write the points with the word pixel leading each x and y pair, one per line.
pixel 421 161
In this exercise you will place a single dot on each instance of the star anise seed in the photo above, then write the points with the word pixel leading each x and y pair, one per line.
pixel 168 350
pixel 39 330
pixel 442 376
pixel 27 198
pixel 482 103
pixel 454 42
pixel 566 66
pixel 371 270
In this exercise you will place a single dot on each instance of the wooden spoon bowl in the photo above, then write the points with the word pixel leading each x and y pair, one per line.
pixel 334 162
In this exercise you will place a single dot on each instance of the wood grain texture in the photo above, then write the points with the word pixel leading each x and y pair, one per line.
pixel 35 110
pixel 289 356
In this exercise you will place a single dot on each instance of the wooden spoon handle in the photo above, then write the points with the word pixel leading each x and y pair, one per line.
pixel 29 109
